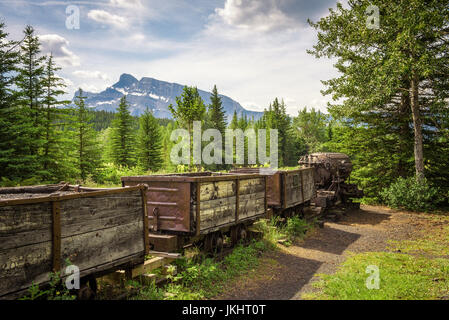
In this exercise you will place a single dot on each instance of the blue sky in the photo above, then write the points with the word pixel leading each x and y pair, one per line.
pixel 253 50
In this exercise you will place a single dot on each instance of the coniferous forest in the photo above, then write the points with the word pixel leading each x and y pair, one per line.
pixel 393 130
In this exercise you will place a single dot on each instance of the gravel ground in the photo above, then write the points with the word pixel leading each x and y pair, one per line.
pixel 289 272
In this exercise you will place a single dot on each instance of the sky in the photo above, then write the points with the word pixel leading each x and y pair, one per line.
pixel 253 50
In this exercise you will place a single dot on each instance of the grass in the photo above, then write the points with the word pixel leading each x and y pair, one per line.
pixel 207 277
pixel 416 269
pixel 402 277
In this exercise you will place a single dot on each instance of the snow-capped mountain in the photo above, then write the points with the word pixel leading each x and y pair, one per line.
pixel 156 95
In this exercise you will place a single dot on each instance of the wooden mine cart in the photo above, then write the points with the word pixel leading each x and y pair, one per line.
pixel 184 208
pixel 45 228
pixel 288 191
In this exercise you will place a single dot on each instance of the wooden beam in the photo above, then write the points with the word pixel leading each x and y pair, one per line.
pixel 56 216
pixel 198 210
pixel 149 265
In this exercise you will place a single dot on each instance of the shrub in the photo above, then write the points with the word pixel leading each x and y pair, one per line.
pixel 296 227
pixel 412 194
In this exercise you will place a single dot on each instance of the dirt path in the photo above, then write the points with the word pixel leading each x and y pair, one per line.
pixel 289 272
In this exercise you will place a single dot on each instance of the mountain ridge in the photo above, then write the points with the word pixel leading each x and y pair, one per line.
pixel 155 94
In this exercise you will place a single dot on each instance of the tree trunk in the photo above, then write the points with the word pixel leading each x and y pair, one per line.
pixel 403 120
pixel 417 124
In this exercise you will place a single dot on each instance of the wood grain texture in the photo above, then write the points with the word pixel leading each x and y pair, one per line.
pixel 96 232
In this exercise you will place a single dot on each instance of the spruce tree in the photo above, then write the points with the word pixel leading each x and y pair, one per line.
pixel 29 107
pixel 189 107
pixel 11 163
pixel 86 151
pixel 122 137
pixel 30 84
pixel 149 142
pixel 217 120
pixel 54 153
pixel 217 114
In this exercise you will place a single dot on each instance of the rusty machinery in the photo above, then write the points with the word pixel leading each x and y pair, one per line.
pixel 332 177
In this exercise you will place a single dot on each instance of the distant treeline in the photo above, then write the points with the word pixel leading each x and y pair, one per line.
pixel 103 119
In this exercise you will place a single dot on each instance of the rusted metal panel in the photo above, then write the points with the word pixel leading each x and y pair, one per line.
pixel 197 203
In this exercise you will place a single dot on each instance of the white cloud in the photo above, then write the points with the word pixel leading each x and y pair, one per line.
pixel 88 87
pixel 108 18
pixel 57 45
pixel 261 15
pixel 86 74
pixel 135 4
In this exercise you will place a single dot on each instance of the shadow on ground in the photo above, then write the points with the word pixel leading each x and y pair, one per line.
pixel 287 281
pixel 365 216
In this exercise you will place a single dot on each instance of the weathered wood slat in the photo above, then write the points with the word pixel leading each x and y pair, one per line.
pixel 96 231
pixel 94 248
pixel 25 217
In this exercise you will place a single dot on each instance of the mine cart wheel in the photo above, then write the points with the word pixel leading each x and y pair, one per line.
pixel 243 233
pixel 88 289
pixel 214 242
pixel 239 233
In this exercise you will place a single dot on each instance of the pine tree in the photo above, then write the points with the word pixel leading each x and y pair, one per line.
pixel 217 113
pixel 54 155
pixel 11 163
pixel 149 142
pixel 189 108
pixel 86 147
pixel 122 137
pixel 29 105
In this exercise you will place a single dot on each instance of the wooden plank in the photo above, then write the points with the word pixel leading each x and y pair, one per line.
pixel 169 255
pixel 217 190
pixel 146 230
pixel 98 247
pixel 237 200
pixel 26 217
pixel 56 240
pixel 149 265
pixel 198 208
pixel 68 196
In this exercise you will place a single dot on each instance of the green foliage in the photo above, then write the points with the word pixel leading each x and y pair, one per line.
pixel 388 74
pixel 402 277
pixel 110 174
pixel 149 153
pixel 189 107
pixel 297 227
pixel 86 153
pixel 412 194
pixel 54 291
pixel 312 128
pixel 55 163
pixel 122 136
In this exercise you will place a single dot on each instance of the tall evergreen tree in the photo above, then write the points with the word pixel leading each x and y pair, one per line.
pixel 29 101
pixel 149 142
pixel 122 138
pixel 11 163
pixel 86 151
pixel 217 113
pixel 190 107
pixel 53 154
